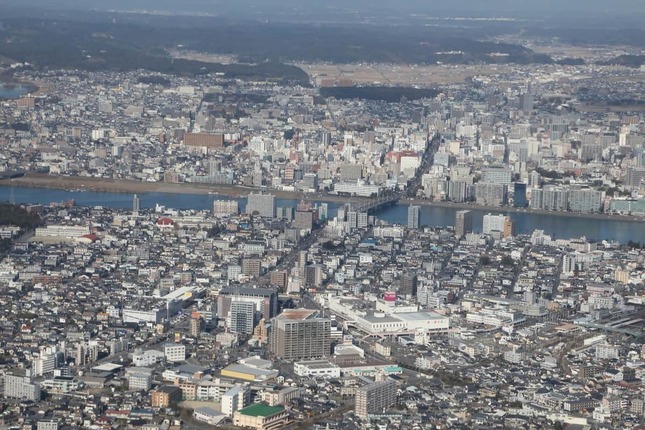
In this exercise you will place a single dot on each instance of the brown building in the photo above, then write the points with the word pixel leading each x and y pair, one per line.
pixel 26 102
pixel 298 334
pixel 509 228
pixel 313 275
pixel 279 278
pixel 463 223
pixel 208 140
pixel 304 220
pixel 374 398
pixel 265 300
pixel 260 332
pixel 166 396
pixel 195 324
pixel 171 177
pixel 252 267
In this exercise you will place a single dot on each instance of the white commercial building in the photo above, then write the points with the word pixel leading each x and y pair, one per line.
pixel 66 231
pixel 387 321
pixel 20 385
pixel 316 368
pixel 139 378
pixel 147 358
pixel 174 352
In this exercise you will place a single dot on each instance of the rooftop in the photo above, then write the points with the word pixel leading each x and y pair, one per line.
pixel 261 410
pixel 297 314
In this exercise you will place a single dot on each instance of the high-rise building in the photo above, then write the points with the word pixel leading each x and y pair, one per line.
pixel 585 200
pixel 374 398
pixel 304 220
pixel 325 138
pixel 279 278
pixel 195 325
pixel 323 210
pixel 313 275
pixel 19 384
pixel 536 198
pixel 414 216
pixel 225 207
pixel 534 179
pixel 496 175
pixel 519 195
pixel 491 194
pixel 555 198
pixel 526 102
pixel 263 204
pixel 265 300
pixel 252 267
pixel 298 334
pixel 235 399
pixel 139 378
pixel 242 317
pixel 136 205
pixel 362 220
pixel 408 284
pixel 463 223
pixel 497 224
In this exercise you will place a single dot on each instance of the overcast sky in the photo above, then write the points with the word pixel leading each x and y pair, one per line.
pixel 524 8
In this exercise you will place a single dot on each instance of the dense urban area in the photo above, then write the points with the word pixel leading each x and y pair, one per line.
pixel 263 315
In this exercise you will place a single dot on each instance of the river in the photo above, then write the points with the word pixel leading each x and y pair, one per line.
pixel 525 223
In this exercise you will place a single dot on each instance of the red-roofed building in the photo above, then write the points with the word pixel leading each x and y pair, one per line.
pixel 165 222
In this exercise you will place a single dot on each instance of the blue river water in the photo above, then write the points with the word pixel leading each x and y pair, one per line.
pixel 525 222
pixel 11 92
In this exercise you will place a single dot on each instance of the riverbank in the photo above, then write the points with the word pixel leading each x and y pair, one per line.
pixel 508 209
pixel 125 186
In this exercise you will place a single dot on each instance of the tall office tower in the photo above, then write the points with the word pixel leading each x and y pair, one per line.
pixel 408 284
pixel 195 327
pixel 298 334
pixel 313 275
pixel 375 398
pixel 325 138
pixel 263 204
pixel 136 205
pixel 536 201
pixel 242 317
pixel 302 263
pixel 526 102
pixel 463 223
pixel 519 195
pixel 414 216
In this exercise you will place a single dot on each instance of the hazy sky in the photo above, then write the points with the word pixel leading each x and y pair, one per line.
pixel 568 9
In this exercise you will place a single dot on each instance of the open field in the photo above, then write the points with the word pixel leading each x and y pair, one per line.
pixel 397 74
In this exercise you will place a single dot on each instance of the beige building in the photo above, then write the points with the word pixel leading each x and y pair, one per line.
pixel 261 417
pixel 298 334
pixel 375 398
